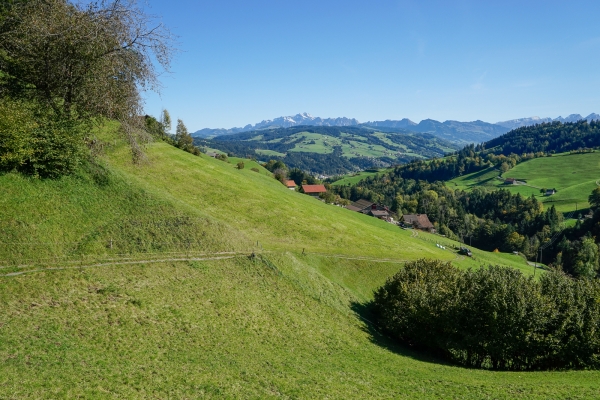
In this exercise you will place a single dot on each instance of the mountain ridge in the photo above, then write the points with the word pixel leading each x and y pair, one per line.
pixel 459 132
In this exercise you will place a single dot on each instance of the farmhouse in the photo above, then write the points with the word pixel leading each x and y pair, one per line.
pixel 510 181
pixel 291 185
pixel 381 214
pixel 361 206
pixel 314 190
pixel 418 221
pixel 550 192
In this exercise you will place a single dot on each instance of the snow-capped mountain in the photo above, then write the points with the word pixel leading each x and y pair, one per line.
pixel 404 123
pixel 453 131
pixel 281 122
pixel 517 123
pixel 304 119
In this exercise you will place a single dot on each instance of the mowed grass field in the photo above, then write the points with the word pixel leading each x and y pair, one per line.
pixel 180 308
pixel 574 176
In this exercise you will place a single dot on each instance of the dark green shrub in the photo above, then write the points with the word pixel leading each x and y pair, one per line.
pixel 493 317
pixel 37 143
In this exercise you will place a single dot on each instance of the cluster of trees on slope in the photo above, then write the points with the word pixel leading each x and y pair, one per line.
pixel 493 317
pixel 552 137
pixel 486 219
pixel 65 67
pixel 161 130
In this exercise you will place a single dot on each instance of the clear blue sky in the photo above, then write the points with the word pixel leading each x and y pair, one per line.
pixel 245 61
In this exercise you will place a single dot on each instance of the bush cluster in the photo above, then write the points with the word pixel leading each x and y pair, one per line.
pixel 37 143
pixel 493 317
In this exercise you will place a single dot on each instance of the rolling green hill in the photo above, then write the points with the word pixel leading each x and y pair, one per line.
pixel 574 176
pixel 185 277
pixel 332 150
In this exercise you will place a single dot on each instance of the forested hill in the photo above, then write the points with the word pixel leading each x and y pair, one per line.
pixel 332 150
pixel 554 137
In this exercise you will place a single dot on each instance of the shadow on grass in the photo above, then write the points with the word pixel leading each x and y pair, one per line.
pixel 479 174
pixel 364 312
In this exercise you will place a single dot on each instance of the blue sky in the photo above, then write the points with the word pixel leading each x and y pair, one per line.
pixel 245 61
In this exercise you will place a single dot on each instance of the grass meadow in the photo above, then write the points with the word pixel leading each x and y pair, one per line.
pixel 574 176
pixel 278 313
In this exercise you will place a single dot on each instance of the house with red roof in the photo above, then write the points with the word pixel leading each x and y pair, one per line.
pixel 291 185
pixel 314 190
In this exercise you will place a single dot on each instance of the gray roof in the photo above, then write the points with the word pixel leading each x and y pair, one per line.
pixel 362 204
pixel 380 213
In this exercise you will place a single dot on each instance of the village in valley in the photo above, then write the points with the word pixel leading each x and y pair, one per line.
pixel 379 211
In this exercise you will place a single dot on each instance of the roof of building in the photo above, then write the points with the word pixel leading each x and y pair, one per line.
pixel 352 208
pixel 314 188
pixel 509 180
pixel 362 204
pixel 290 184
pixel 421 220
pixel 379 213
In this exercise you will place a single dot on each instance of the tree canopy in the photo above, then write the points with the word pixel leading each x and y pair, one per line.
pixel 81 61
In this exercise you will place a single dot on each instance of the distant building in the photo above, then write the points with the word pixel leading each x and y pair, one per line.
pixel 291 185
pixel 314 190
pixel 510 181
pixel 381 214
pixel 361 206
pixel 550 192
pixel 353 208
pixel 418 221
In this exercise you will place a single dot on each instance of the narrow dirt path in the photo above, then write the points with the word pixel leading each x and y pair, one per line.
pixel 106 264
pixel 175 258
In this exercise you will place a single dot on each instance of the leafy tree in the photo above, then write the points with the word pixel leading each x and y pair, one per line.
pixel 240 165
pixel 586 263
pixel 594 198
pixel 165 121
pixel 272 165
pixel 493 317
pixel 82 61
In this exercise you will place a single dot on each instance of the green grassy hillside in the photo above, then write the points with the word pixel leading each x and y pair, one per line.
pixel 574 176
pixel 178 307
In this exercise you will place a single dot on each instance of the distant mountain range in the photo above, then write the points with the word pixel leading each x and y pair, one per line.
pixel 517 123
pixel 453 131
pixel 281 122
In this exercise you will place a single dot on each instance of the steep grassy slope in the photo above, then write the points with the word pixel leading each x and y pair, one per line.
pixel 279 324
pixel 233 328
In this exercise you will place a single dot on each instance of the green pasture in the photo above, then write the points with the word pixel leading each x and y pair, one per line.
pixel 184 277
pixel 574 176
